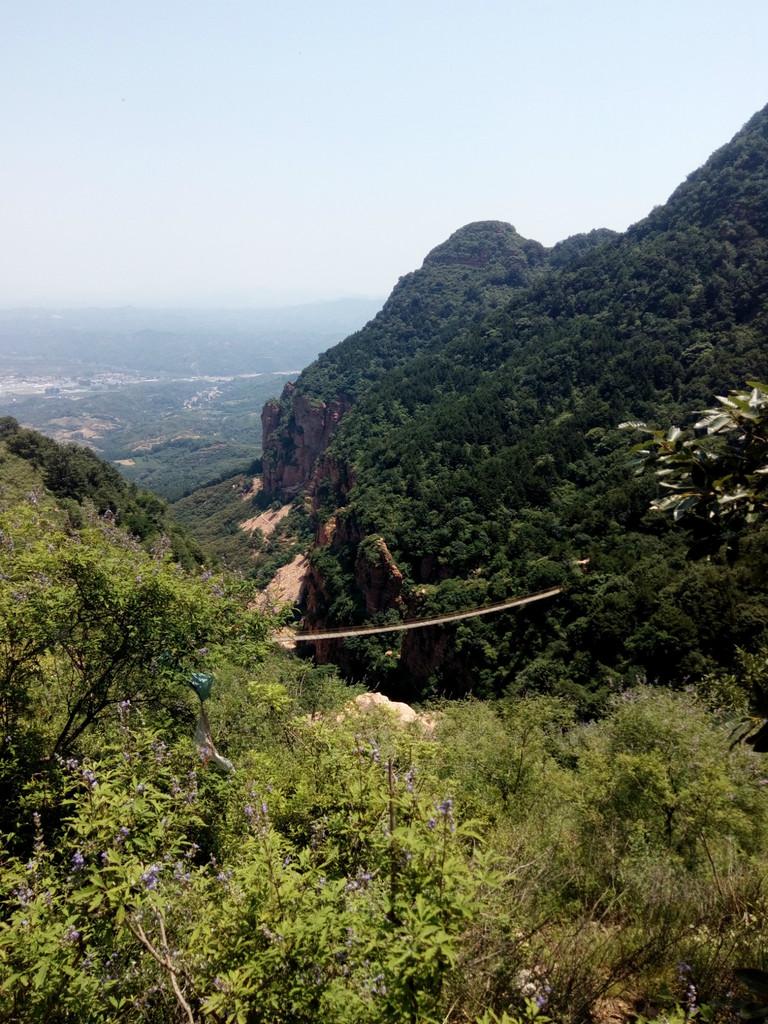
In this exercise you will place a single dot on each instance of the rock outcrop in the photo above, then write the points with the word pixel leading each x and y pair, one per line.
pixel 286 586
pixel 266 522
pixel 404 714
pixel 295 433
pixel 377 576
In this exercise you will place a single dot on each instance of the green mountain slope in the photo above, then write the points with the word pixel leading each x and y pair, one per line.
pixel 35 469
pixel 483 449
pixel 477 270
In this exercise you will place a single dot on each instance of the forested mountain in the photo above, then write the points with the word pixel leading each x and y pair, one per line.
pixel 464 447
pixel 473 273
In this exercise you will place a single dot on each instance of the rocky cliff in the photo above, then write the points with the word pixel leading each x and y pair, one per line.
pixel 296 431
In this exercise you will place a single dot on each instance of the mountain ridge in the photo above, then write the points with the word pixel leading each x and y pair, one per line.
pixel 482 416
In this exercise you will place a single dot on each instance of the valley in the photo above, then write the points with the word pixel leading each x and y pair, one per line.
pixel 169 434
pixel 172 397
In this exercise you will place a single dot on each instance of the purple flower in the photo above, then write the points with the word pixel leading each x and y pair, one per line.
pixel 249 812
pixel 192 790
pixel 122 834
pixel 89 778
pixel 72 935
pixel 24 895
pixel 431 823
pixel 446 811
pixel 179 873
pixel 78 861
pixel 360 882
pixel 151 877
pixel 378 988
pixel 410 775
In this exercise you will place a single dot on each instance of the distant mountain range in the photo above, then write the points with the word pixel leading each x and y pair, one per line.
pixel 176 341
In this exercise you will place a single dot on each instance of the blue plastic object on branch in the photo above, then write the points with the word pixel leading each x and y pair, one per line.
pixel 201 683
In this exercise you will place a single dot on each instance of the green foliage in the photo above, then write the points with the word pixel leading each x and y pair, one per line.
pixel 717 470
pixel 88 619
pixel 531 1015
pixel 657 775
pixel 361 925
pixel 75 475
pixel 333 878
pixel 482 447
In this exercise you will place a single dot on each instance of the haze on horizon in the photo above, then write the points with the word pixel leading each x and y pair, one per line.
pixel 199 154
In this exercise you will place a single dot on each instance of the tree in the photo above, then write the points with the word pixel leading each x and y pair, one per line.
pixel 88 619
pixel 715 472
pixel 715 475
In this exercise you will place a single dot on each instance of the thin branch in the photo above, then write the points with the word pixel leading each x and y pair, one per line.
pixel 715 875
pixel 174 981
pixel 165 961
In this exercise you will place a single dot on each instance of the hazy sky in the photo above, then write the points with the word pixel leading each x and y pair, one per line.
pixel 235 153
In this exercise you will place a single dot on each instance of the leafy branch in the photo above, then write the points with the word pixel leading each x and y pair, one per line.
pixel 715 471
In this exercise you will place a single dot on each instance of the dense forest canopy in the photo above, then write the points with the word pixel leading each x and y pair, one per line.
pixel 482 446
pixel 74 474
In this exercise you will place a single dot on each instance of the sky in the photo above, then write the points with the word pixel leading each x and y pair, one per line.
pixel 242 153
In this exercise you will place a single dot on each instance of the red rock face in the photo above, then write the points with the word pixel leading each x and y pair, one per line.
pixel 314 599
pixel 295 434
pixel 379 579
